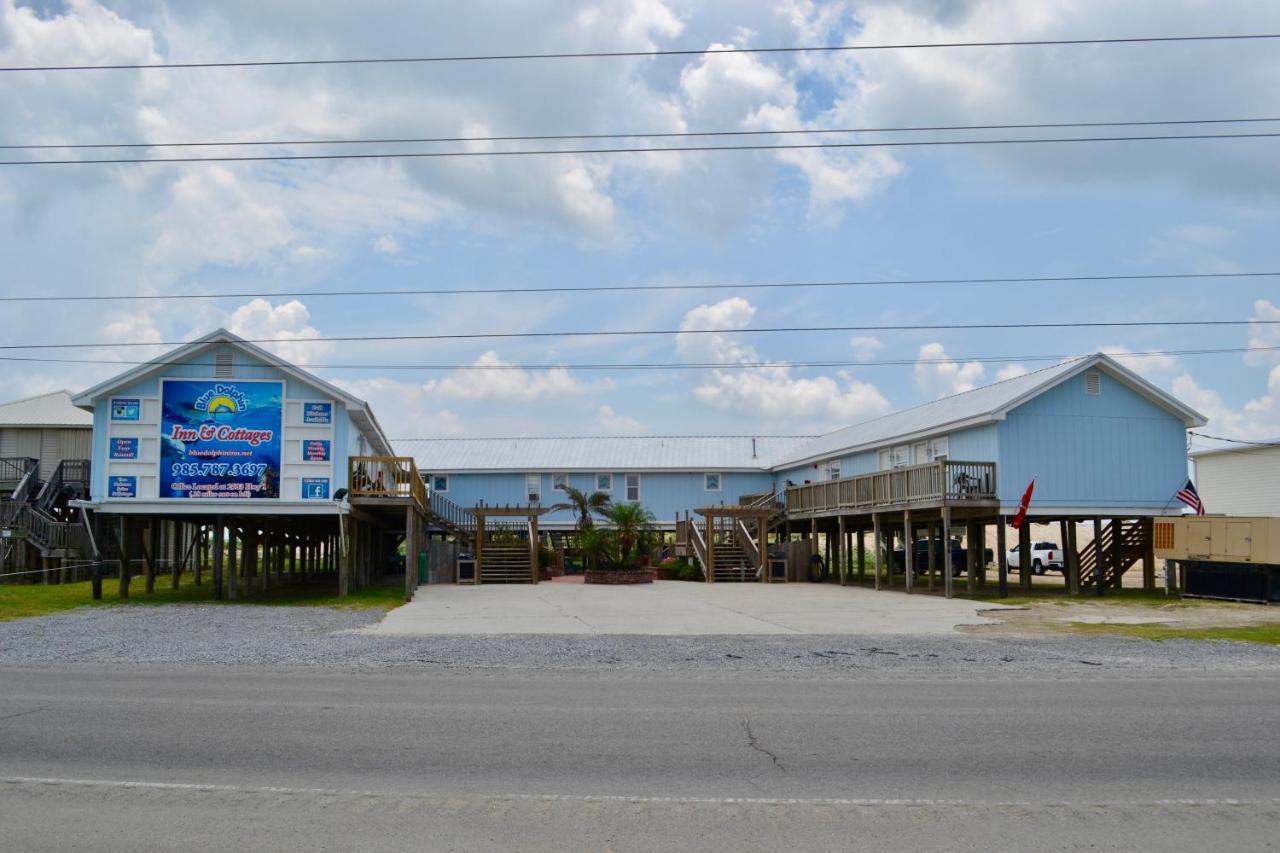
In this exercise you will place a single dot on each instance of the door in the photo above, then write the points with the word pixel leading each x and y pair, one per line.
pixel 1239 540
pixel 1199 538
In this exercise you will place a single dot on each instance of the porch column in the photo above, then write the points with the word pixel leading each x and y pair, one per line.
pixel 1100 559
pixel 931 559
pixel 410 552
pixel 908 549
pixel 844 574
pixel 814 550
pixel 862 554
pixel 1024 556
pixel 1117 552
pixel 875 532
pixel 948 570
pixel 1072 556
pixel 126 554
pixel 972 556
pixel 1002 557
pixel 219 533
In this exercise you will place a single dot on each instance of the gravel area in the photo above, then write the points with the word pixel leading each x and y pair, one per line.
pixel 321 637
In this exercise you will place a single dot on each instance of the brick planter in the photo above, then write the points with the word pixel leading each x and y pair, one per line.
pixel 628 576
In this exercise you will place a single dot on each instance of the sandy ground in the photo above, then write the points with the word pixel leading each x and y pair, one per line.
pixel 1046 616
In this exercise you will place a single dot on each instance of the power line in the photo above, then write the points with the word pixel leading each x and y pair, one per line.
pixel 45 146
pixel 609 333
pixel 600 54
pixel 1238 440
pixel 641 366
pixel 527 152
pixel 627 288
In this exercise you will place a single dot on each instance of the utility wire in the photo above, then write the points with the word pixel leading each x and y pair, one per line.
pixel 628 288
pixel 602 54
pixel 667 365
pixel 44 146
pixel 1238 440
pixel 526 152
pixel 611 333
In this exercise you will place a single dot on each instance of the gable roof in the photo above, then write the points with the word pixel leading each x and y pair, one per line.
pixel 987 404
pixel 603 454
pixel 54 409
pixel 358 409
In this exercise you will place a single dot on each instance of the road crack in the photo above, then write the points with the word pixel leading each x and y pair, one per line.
pixel 754 743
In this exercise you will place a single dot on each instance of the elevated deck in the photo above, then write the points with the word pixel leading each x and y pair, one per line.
pixel 935 485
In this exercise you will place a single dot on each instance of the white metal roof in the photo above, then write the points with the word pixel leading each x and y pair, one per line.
pixel 45 410
pixel 971 408
pixel 599 453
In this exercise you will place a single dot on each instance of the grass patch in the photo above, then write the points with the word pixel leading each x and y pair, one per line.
pixel 23 601
pixel 1268 634
pixel 1134 597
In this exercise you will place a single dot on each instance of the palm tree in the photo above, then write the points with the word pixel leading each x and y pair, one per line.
pixel 632 524
pixel 583 505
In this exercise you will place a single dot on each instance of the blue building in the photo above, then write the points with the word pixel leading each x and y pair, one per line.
pixel 221 441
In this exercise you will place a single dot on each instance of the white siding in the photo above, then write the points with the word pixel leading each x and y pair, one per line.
pixel 1240 482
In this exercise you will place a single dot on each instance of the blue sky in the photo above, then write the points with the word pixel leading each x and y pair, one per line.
pixel 1134 208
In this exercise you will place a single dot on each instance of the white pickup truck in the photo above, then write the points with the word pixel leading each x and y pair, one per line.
pixel 1044 556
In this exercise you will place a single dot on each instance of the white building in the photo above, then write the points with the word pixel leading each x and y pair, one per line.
pixel 1239 480
pixel 47 428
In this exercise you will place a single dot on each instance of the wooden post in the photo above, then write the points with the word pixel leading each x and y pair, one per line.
pixel 948 570
pixel 763 549
pixel 931 559
pixel 1072 557
pixel 1002 557
pixel 233 563
pixel 1148 554
pixel 1117 552
pixel 177 540
pixel 347 553
pixel 875 532
pixel 410 552
pixel 219 533
pixel 126 554
pixel 972 556
pixel 844 575
pixel 813 547
pixel 1024 556
pixel 1100 559
pixel 862 554
pixel 535 571
pixel 202 552
pixel 479 573
pixel 908 550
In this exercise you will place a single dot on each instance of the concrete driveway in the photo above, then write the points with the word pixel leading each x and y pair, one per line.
pixel 675 608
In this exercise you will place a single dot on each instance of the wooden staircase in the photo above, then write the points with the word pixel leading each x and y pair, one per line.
pixel 506 564
pixel 731 563
pixel 1129 536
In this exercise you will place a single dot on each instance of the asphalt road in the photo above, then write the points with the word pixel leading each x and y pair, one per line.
pixel 204 758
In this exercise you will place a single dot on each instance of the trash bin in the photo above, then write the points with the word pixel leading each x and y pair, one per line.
pixel 422 567
pixel 466 569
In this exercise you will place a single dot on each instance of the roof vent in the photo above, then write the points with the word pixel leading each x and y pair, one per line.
pixel 1093 383
pixel 223 366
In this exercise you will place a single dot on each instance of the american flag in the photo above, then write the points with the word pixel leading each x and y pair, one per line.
pixel 1189 496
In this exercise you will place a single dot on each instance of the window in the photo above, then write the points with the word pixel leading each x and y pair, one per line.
pixel 938 448
pixel 710 482
pixel 439 482
pixel 633 488
pixel 1093 383
pixel 533 488
pixel 830 470
pixel 604 482
pixel 559 482
pixel 901 456
pixel 885 459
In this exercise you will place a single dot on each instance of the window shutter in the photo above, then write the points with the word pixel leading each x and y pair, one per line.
pixel 223 365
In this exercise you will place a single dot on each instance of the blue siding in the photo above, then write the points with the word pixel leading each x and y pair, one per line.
pixel 976 444
pixel 1113 449
pixel 666 495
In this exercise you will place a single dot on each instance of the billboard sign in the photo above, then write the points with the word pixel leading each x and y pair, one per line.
pixel 315 450
pixel 317 413
pixel 126 409
pixel 124 448
pixel 220 438
pixel 122 487
pixel 315 488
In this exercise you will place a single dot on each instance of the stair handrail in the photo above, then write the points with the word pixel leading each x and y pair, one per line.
pixel 48 494
pixel 448 511
pixel 747 541
pixel 12 507
pixel 700 550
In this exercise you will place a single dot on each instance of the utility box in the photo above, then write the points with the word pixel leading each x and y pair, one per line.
pixel 1231 557
pixel 1225 538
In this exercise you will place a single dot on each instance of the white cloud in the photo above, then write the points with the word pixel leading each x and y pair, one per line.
pixel 1011 371
pixel 616 423
pixel 938 375
pixel 1147 365
pixel 402 409
pixel 865 346
pixel 505 382
pixel 1264 335
pixel 1202 234
pixel 1257 420
pixel 772 391
pixel 386 244
pixel 285 323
